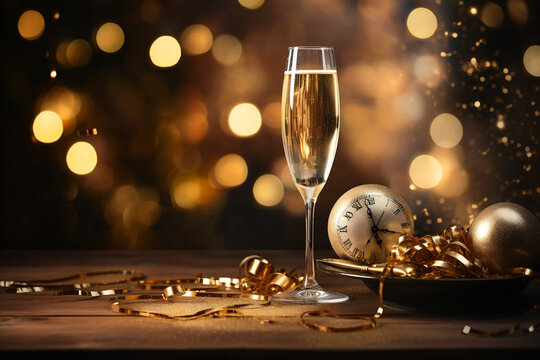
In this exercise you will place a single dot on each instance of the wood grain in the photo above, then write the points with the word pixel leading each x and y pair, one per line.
pixel 37 322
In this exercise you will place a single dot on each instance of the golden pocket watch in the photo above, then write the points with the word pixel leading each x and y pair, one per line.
pixel 367 221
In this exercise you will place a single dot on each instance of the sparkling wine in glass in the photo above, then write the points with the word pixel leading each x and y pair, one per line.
pixel 310 131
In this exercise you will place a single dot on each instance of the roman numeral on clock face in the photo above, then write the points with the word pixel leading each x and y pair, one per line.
pixel 342 229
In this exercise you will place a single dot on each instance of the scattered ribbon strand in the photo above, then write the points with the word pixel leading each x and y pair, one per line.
pixel 430 256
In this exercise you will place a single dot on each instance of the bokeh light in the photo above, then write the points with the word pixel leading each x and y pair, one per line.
pixel 196 39
pixel 410 105
pixel 47 126
pixel 492 15
pixel 165 51
pixel 66 103
pixel 110 37
pixel 251 4
pixel 271 115
pixel 194 127
pixel 518 10
pixel 186 193
pixel 531 60
pixel 186 133
pixel 31 25
pixel 422 23
pixel 425 171
pixel 245 120
pixel 230 170
pixel 78 53
pixel 427 70
pixel 151 11
pixel 446 130
pixel 226 49
pixel 268 190
pixel 81 158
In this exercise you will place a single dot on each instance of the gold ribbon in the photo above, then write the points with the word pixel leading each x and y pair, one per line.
pixel 437 256
pixel 82 286
pixel 258 276
pixel 431 256
pixel 447 256
pixel 257 280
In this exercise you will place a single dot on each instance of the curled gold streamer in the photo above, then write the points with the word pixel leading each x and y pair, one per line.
pixel 371 321
pixel 438 256
pixel 82 288
pixel 431 256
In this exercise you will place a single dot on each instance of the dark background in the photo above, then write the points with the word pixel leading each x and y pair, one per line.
pixel 45 206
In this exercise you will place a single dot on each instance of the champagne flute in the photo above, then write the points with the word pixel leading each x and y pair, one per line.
pixel 310 131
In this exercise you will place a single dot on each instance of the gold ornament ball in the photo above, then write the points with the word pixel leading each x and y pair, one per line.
pixel 505 235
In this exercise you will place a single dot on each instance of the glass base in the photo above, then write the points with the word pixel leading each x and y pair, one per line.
pixel 311 295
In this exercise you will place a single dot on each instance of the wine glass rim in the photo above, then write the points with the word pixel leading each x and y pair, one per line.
pixel 308 47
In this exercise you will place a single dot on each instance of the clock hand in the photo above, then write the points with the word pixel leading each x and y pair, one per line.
pixel 379 240
pixel 377 226
pixel 368 240
pixel 369 213
pixel 388 231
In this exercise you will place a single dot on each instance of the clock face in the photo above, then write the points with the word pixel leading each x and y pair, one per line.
pixel 365 226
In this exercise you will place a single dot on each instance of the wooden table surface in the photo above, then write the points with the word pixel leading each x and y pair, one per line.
pixel 68 326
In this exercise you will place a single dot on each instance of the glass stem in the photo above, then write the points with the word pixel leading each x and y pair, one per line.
pixel 309 270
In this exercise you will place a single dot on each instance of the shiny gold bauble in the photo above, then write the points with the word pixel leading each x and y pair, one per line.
pixel 366 221
pixel 505 235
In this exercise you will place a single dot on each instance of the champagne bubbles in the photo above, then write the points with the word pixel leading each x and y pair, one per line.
pixel 531 60
pixel 81 158
pixel 425 171
pixel 47 127
pixel 422 23
pixel 165 51
pixel 31 25
pixel 446 130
